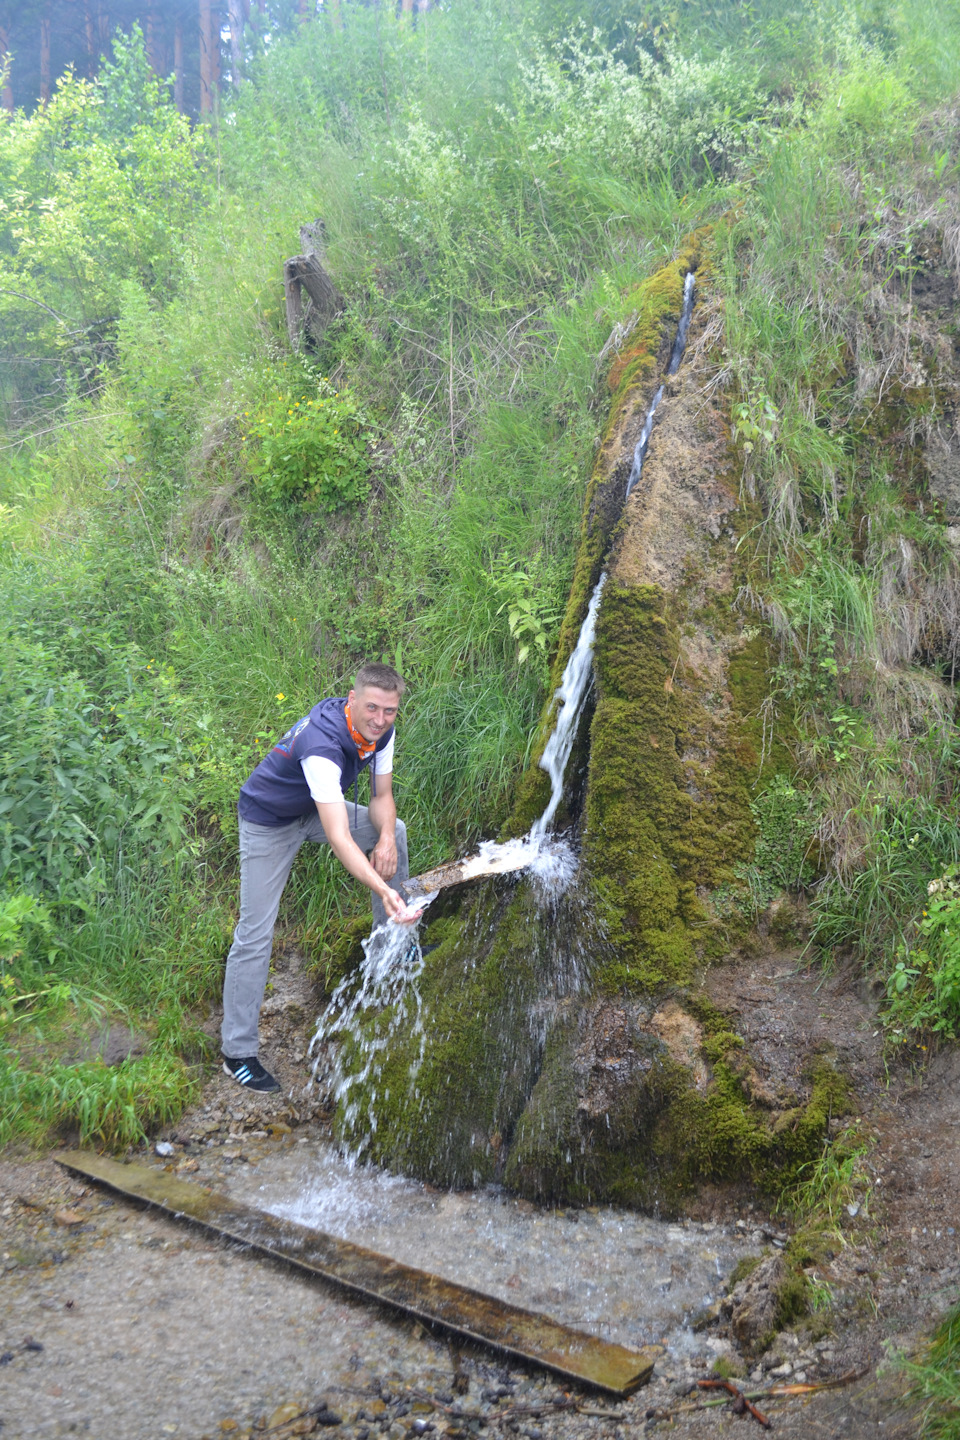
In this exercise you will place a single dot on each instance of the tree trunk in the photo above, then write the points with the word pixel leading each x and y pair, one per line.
pixel 235 12
pixel 178 65
pixel 6 95
pixel 45 57
pixel 406 6
pixel 305 272
pixel 332 7
pixel 103 24
pixel 90 36
pixel 215 26
pixel 206 57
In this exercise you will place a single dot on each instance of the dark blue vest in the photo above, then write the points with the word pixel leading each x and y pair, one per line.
pixel 277 792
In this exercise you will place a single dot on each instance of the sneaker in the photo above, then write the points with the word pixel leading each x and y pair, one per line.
pixel 250 1074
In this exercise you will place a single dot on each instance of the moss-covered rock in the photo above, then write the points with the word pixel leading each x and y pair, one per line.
pixel 632 1087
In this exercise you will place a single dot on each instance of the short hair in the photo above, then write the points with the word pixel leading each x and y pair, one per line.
pixel 383 677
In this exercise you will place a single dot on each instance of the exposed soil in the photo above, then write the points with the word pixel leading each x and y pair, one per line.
pixel 118 1323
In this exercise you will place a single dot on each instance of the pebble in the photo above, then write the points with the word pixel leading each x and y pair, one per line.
pixel 164 1148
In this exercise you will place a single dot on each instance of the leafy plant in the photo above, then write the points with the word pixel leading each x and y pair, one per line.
pixel 308 448
pixel 835 1188
pixel 923 989
pixel 782 860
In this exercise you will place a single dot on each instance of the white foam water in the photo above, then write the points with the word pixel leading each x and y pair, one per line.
pixel 386 996
pixel 573 691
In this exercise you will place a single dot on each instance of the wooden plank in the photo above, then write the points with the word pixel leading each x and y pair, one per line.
pixel 585 1359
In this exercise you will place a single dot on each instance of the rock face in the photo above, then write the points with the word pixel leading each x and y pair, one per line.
pixel 754 1304
pixel 573 1051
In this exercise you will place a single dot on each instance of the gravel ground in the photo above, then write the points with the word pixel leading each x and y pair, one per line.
pixel 118 1323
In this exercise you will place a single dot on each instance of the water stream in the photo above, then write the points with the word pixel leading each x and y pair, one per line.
pixel 676 355
pixel 624 1276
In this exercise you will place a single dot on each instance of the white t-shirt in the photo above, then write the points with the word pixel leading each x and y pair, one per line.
pixel 323 775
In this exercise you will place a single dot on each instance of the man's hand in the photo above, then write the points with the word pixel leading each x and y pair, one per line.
pixel 398 910
pixel 383 856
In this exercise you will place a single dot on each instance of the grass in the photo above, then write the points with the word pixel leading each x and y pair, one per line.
pixel 935 1381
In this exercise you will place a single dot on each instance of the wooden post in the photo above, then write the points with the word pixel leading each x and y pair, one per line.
pixel 178 65
pixel 45 56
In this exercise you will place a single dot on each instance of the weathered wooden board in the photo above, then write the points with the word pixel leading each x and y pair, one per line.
pixel 584 1359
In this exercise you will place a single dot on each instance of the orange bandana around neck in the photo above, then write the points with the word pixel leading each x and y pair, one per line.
pixel 364 747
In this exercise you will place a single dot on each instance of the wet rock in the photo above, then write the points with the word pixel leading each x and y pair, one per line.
pixel 326 1416
pixel 754 1302
pixel 706 1317
pixel 164 1149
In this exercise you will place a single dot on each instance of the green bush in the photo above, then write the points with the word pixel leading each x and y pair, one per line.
pixel 308 448
pixel 87 779
pixel 923 990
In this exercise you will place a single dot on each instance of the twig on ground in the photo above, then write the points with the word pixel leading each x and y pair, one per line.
pixel 847 1379
pixel 740 1401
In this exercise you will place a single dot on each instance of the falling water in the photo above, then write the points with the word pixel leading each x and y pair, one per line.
pixel 572 692
pixel 387 990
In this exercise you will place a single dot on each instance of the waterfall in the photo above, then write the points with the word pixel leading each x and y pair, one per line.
pixel 573 691
pixel 368 1010
pixel 577 677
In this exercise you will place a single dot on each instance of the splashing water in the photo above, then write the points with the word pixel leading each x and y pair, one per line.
pixel 388 999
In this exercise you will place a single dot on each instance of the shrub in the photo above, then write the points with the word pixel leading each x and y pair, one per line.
pixel 924 987
pixel 308 449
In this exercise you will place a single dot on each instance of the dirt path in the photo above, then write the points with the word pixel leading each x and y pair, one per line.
pixel 119 1324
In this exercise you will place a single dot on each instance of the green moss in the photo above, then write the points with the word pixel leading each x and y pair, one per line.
pixel 337 951
pixel 660 1136
pixel 744 1269
pixel 728 1367
pixel 793 1300
pixel 659 826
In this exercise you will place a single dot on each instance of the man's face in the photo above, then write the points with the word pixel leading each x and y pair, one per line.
pixel 373 710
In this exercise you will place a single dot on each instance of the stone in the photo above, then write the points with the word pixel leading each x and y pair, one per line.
pixel 164 1148
pixel 754 1302
pixel 284 1414
pixel 67 1218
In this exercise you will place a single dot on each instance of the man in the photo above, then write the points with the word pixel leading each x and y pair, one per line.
pixel 297 793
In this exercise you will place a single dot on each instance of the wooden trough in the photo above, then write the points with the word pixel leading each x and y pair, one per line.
pixel 535 1339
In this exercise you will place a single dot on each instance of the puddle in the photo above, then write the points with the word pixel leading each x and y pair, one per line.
pixel 622 1276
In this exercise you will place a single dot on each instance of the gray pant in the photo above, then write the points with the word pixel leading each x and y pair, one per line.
pixel 266 855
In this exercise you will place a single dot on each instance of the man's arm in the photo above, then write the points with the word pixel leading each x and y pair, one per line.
pixel 383 812
pixel 336 827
